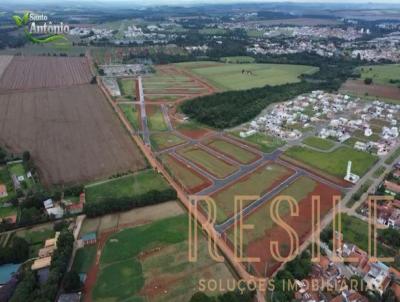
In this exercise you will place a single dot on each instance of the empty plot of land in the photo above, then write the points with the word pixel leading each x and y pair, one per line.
pixel 4 61
pixel 233 151
pixel 257 183
pixel 213 165
pixel 71 133
pixel 45 72
pixel 361 89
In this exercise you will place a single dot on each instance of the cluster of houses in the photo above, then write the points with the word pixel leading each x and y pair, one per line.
pixel 373 125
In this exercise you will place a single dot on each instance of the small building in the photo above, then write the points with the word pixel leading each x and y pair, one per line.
pixel 391 188
pixel 41 263
pixel 3 190
pixel 48 203
pixel 57 212
pixel 89 238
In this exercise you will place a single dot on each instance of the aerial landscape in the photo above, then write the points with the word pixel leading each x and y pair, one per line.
pixel 190 151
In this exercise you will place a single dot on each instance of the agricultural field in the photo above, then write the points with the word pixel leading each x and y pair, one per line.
pixel 335 162
pixel 154 266
pixel 161 141
pixel 155 118
pixel 386 92
pixel 246 76
pixel 191 180
pixel 233 151
pixel 204 160
pixel 71 133
pixel 127 87
pixel 265 143
pixel 4 62
pixel 45 72
pixel 127 186
pixel 131 113
pixel 319 143
pixel 388 74
pixel 257 241
pixel 257 183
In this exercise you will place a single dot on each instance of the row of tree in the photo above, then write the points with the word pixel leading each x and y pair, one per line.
pixel 232 296
pixel 124 204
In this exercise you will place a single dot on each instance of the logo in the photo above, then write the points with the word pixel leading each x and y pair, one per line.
pixel 34 24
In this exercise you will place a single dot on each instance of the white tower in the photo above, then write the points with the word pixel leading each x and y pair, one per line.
pixel 350 176
pixel 348 169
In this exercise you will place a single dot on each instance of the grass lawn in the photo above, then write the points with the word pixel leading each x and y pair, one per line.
pixel 132 270
pixel 38 234
pixel 155 119
pixel 381 74
pixel 265 142
pixel 18 169
pixel 188 178
pixel 261 218
pixel 210 163
pixel 319 143
pixel 161 141
pixel 230 76
pixel 125 187
pixel 257 183
pixel 8 211
pixel 131 114
pixel 355 231
pixel 232 151
pixel 335 162
pixel 127 87
pixel 84 259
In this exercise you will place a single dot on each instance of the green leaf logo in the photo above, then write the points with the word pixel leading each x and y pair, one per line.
pixel 25 18
pixel 18 20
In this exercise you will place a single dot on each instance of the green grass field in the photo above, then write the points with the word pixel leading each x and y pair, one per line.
pixel 230 76
pixel 334 163
pixel 125 187
pixel 155 119
pixel 265 143
pixel 131 115
pixel 232 151
pixel 186 177
pixel 18 169
pixel 132 270
pixel 261 218
pixel 160 141
pixel 382 74
pixel 127 87
pixel 319 143
pixel 84 259
pixel 210 163
pixel 37 234
pixel 5 179
pixel 257 183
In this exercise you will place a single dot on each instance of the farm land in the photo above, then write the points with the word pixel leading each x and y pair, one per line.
pixel 389 93
pixel 246 76
pixel 388 74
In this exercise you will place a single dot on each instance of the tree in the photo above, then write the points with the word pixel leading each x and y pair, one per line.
pixel 72 282
pixel 368 81
pixel 201 297
pixel 389 296
pixel 26 156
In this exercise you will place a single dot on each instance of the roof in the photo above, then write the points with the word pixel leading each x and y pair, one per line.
pixel 89 236
pixel 391 186
pixel 58 211
pixel 41 263
pixel 46 251
pixel 7 271
pixel 52 241
pixel 48 203
pixel 3 189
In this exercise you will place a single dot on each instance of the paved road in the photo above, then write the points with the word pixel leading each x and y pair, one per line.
pixel 143 114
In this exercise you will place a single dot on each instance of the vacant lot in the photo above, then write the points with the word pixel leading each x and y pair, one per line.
pixel 335 162
pixel 160 141
pixel 132 114
pixel 153 267
pixel 265 143
pixel 257 183
pixel 127 87
pixel 319 143
pixel 215 166
pixel 257 241
pixel 191 180
pixel 232 151
pixel 246 76
pixel 45 72
pixel 388 74
pixel 125 187
pixel 72 134
pixel 360 89
pixel 155 118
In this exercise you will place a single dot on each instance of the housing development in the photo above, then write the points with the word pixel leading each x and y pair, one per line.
pixel 200 152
